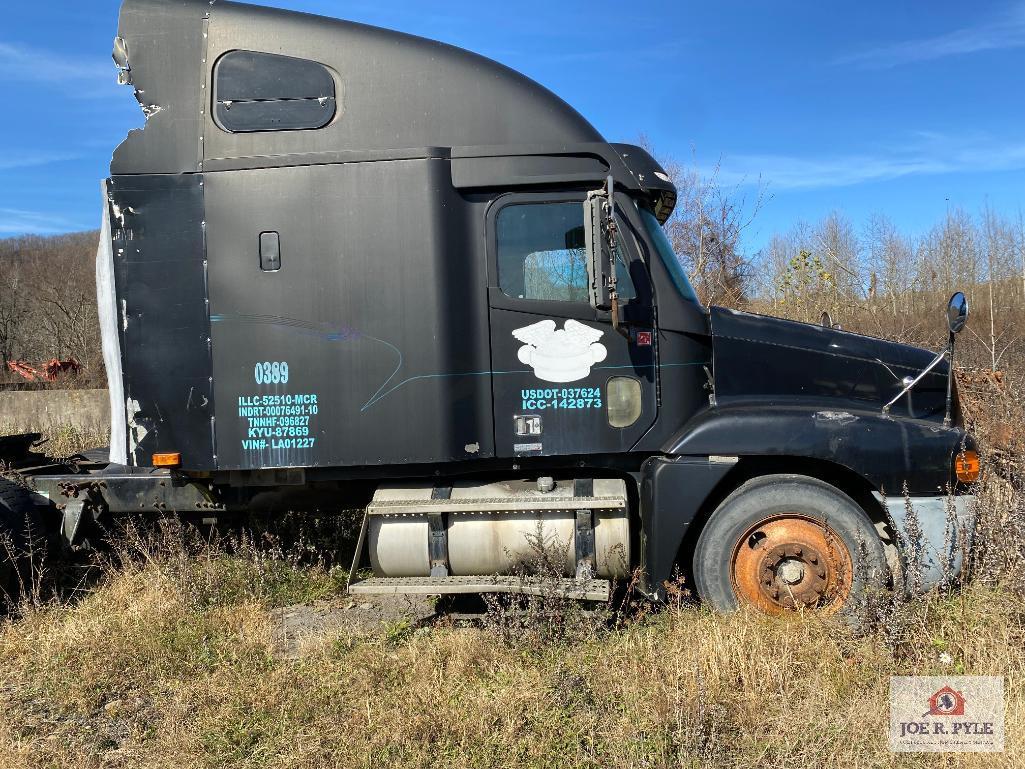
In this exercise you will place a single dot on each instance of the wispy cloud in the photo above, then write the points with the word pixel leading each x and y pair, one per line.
pixel 1003 32
pixel 11 160
pixel 17 222
pixel 84 78
pixel 930 155
pixel 667 50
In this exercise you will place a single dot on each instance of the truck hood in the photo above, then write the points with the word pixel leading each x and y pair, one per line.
pixel 776 361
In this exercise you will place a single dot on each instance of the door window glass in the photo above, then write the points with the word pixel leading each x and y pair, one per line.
pixel 541 253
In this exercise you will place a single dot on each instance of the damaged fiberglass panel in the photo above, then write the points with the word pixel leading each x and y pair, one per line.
pixel 159 267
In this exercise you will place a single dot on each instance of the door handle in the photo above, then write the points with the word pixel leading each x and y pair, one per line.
pixel 270 251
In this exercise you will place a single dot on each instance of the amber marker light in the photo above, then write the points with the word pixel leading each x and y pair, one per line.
pixel 175 460
pixel 967 466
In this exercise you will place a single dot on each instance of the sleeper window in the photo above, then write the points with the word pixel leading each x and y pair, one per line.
pixel 266 92
pixel 542 256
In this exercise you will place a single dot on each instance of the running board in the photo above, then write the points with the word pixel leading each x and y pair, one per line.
pixel 581 590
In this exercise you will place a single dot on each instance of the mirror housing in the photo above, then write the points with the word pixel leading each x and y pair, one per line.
pixel 596 242
pixel 957 313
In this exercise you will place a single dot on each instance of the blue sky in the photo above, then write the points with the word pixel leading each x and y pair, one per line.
pixel 903 108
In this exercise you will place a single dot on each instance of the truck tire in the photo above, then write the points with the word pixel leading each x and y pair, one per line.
pixel 785 542
pixel 20 524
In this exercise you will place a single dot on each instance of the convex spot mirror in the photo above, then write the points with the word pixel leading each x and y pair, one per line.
pixel 957 313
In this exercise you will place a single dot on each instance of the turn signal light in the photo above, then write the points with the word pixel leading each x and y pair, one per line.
pixel 967 467
pixel 175 460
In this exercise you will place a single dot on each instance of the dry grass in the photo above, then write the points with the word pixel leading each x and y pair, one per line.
pixel 63 440
pixel 170 663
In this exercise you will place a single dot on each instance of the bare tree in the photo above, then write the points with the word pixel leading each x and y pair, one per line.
pixel 1020 239
pixel 14 311
pixel 48 301
pixel 1000 264
pixel 888 284
pixel 707 230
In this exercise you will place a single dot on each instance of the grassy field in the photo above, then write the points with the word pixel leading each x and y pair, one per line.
pixel 172 657
pixel 172 662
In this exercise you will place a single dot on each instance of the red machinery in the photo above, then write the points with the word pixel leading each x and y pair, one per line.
pixel 50 372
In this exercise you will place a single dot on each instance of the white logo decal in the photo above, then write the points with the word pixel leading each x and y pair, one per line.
pixel 561 355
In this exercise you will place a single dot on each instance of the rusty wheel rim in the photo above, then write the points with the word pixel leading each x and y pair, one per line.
pixel 791 562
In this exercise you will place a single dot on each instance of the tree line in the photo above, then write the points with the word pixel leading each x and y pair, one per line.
pixel 868 277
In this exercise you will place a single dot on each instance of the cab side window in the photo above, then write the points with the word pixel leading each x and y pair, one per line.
pixel 266 92
pixel 542 256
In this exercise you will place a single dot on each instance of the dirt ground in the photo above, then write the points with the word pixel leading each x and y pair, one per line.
pixel 297 627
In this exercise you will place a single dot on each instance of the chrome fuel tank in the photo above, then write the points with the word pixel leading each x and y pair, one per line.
pixel 498 529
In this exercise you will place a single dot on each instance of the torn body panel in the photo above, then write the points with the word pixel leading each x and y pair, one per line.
pixel 437 95
pixel 161 52
pixel 158 260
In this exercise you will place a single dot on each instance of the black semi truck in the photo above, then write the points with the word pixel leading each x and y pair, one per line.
pixel 340 260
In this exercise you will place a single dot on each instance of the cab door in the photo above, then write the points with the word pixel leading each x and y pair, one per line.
pixel 564 381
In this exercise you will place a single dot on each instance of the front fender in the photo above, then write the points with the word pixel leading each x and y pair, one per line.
pixel 887 451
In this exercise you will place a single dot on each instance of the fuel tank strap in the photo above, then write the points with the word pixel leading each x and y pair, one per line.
pixel 583 487
pixel 502 497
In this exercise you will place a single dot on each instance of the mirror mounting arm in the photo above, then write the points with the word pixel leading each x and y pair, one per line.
pixel 612 233
pixel 950 381
pixel 957 318
pixel 601 238
pixel 911 385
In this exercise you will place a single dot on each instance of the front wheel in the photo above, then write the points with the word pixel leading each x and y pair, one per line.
pixel 786 542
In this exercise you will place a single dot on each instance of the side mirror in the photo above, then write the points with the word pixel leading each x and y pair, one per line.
pixel 957 313
pixel 957 319
pixel 596 242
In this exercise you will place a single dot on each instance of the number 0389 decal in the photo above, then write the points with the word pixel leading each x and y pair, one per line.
pixel 272 373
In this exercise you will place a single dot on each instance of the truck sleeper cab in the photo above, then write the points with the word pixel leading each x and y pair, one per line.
pixel 339 257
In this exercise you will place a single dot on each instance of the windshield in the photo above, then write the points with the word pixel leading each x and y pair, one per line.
pixel 668 256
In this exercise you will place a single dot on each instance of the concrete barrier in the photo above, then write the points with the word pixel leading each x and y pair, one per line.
pixel 32 411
